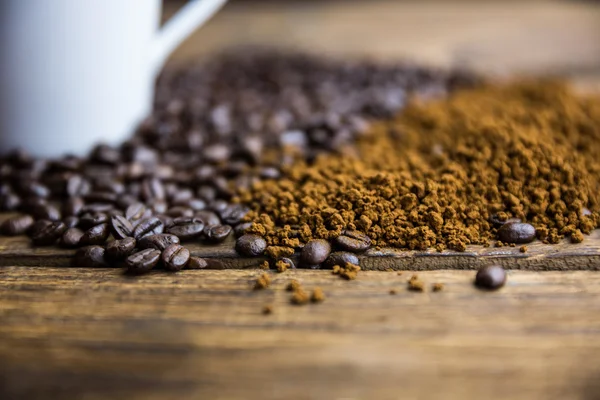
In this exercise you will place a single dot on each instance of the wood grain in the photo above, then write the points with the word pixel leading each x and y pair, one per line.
pixel 83 333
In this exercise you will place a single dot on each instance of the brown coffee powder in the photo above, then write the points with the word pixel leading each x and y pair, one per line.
pixel 437 174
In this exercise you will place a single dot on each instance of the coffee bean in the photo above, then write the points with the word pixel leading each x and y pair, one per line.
pixel 104 154
pixel 135 211
pixel 218 206
pixel 46 211
pixel 16 225
pixel 250 245
pixel 353 241
pixel 180 211
pixel 490 277
pixel 194 204
pixel 315 252
pixel 89 257
pixel 37 227
pixel 120 227
pixel 101 197
pixel 88 221
pixel 217 233
pixel 186 228
pixel 148 226
pixel 175 257
pixel 73 206
pixel 157 206
pixel 240 229
pixel 35 189
pixel 120 249
pixel 166 220
pixel 497 222
pixel 143 261
pixel 207 193
pixel 49 234
pixel 340 258
pixel 159 241
pixel 516 232
pixel 96 235
pixel 71 237
pixel 71 221
pixel 234 213
pixel 9 202
pixel 208 217
pixel 77 186
pixel 181 197
pixel 196 263
pixel 152 189
pixel 29 204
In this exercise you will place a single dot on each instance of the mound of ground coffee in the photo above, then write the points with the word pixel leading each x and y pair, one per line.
pixel 446 174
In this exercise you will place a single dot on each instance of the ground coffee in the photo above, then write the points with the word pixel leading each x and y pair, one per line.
pixel 447 174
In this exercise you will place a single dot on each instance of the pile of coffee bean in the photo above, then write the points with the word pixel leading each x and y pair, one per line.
pixel 217 127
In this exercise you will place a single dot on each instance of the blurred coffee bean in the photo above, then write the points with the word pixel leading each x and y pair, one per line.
pixel 240 229
pixel 196 263
pixel 340 258
pixel 16 225
pixel 159 241
pixel 49 234
pixel 71 221
pixel 250 245
pixel 72 206
pixel 490 277
pixel 46 211
pixel 71 237
pixel 87 221
pixel 217 233
pixel 89 257
pixel 120 249
pixel 208 217
pixel 95 235
pixel 234 213
pixel 353 241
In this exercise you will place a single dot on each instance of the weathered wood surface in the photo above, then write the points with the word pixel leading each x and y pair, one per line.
pixel 92 334
pixel 563 256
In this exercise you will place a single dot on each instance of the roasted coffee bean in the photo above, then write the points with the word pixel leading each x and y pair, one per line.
pixel 516 232
pixel 208 217
pixel 251 245
pixel 152 189
pixel 218 206
pixel 180 211
pixel 29 204
pixel 148 226
pixel 135 211
pixel 46 211
pixel 194 204
pixel 353 241
pixel 77 186
pixel 109 185
pixel 96 235
pixel 49 234
pixel 104 154
pixel 207 193
pixel 119 249
pixel 181 197
pixel 186 228
pixel 35 189
pixel 234 213
pixel 9 202
pixel 196 263
pixel 490 277
pixel 340 258
pixel 73 206
pixel 175 257
pixel 217 233
pixel 315 252
pixel 143 261
pixel 71 237
pixel 97 208
pixel 16 225
pixel 120 227
pixel 159 241
pixel 166 220
pixel 101 197
pixel 71 221
pixel 240 229
pixel 497 222
pixel 125 200
pixel 158 206
pixel 88 221
pixel 89 257
pixel 37 227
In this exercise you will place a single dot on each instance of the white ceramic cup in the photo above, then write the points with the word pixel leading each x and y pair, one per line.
pixel 77 72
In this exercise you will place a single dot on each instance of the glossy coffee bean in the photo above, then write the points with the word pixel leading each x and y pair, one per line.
pixel 148 226
pixel 516 232
pixel 9 202
pixel 73 206
pixel 251 245
pixel 120 249
pixel 120 227
pixel 196 263
pixel 186 228
pixel 217 233
pixel 135 211
pixel 95 236
pixel 208 217
pixel 234 213
pixel 89 220
pixel 71 221
pixel 71 237
pixel 49 234
pixel 159 241
pixel 353 241
pixel 340 258
pixel 89 257
pixel 175 257
pixel 46 211
pixel 497 222
pixel 142 261
pixel 240 229
pixel 490 277
pixel 17 225
pixel 315 252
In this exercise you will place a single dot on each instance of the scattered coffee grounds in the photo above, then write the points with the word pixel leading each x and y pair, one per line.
pixel 293 286
pixel 267 310
pixel 317 295
pixel 348 271
pixel 416 284
pixel 523 249
pixel 283 264
pixel 264 265
pixel 490 277
pixel 262 282
pixel 393 292
pixel 437 287
pixel 510 162
pixel 300 297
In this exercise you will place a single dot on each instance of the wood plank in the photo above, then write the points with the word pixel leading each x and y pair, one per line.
pixel 93 334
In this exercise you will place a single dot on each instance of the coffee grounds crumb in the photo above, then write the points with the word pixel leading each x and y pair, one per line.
pixel 317 295
pixel 498 244
pixel 437 287
pixel 267 310
pixel 348 272
pixel 276 252
pixel 281 266
pixel 300 297
pixel 577 237
pixel 389 270
pixel 293 286
pixel 262 282
pixel 393 291
pixel 523 249
pixel 416 284
pixel 399 273
pixel 264 265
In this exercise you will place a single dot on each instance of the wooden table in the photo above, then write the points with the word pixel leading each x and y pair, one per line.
pixel 91 334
